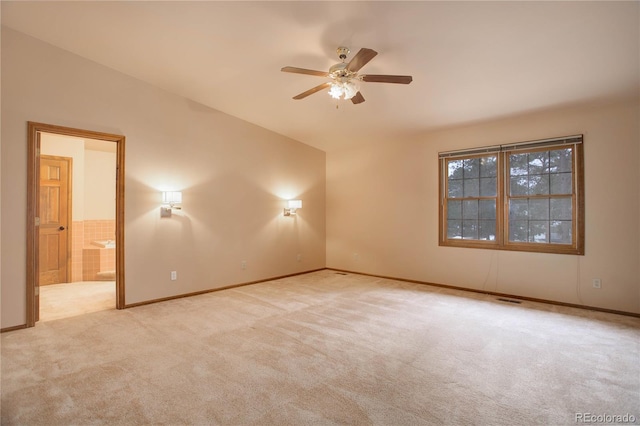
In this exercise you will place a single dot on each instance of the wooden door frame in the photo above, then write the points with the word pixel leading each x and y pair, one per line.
pixel 33 202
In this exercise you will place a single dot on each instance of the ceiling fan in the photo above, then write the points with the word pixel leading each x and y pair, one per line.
pixel 344 77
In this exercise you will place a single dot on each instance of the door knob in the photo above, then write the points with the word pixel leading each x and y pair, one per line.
pixel 61 228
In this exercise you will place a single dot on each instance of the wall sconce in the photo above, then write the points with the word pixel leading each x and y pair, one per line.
pixel 292 206
pixel 170 199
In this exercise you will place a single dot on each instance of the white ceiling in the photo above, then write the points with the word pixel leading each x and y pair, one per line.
pixel 471 61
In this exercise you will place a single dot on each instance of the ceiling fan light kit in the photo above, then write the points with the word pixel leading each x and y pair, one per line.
pixel 344 78
pixel 344 90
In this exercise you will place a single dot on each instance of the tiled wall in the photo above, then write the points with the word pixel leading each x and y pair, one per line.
pixel 90 263
pixel 87 259
pixel 77 244
pixel 99 230
pixel 107 260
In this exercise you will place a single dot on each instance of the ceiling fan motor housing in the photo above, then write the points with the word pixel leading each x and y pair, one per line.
pixel 341 73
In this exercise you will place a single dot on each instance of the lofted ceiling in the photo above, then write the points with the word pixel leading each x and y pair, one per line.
pixel 470 61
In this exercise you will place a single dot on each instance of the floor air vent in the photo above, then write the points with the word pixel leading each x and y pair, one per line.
pixel 341 273
pixel 517 302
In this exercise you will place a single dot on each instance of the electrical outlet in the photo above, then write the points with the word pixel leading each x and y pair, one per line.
pixel 597 283
pixel 356 257
pixel 299 257
pixel 243 264
pixel 174 275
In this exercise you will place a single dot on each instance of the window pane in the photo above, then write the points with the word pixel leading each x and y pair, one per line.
pixel 488 187
pixel 538 231
pixel 518 165
pixel 518 210
pixel 470 229
pixel 561 209
pixel 539 209
pixel 454 229
pixel 538 162
pixel 488 166
pixel 518 231
pixel 487 230
pixel 455 189
pixel 561 232
pixel 454 209
pixel 472 178
pixel 519 185
pixel 472 168
pixel 455 169
pixel 560 160
pixel 561 183
pixel 470 209
pixel 471 187
pixel 487 209
pixel 538 184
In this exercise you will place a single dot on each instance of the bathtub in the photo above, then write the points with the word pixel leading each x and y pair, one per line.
pixel 104 243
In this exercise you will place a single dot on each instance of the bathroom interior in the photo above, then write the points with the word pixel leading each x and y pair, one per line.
pixel 89 284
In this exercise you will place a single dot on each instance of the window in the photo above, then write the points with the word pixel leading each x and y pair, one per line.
pixel 526 196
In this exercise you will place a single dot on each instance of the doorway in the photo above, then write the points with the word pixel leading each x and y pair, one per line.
pixel 54 246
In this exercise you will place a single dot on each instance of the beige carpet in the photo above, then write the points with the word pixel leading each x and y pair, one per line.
pixel 324 349
pixel 72 299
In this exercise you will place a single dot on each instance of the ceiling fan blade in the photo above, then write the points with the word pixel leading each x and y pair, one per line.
pixel 400 79
pixel 358 98
pixel 305 71
pixel 361 59
pixel 312 91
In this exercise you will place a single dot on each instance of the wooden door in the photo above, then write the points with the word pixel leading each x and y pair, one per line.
pixel 54 241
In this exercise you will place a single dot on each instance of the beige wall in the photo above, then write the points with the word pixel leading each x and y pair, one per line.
pixel 234 177
pixel 382 203
pixel 100 184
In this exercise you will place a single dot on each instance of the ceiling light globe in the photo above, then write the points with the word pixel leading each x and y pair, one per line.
pixel 336 91
pixel 350 90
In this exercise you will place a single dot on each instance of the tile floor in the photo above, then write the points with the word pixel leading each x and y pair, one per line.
pixel 73 299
